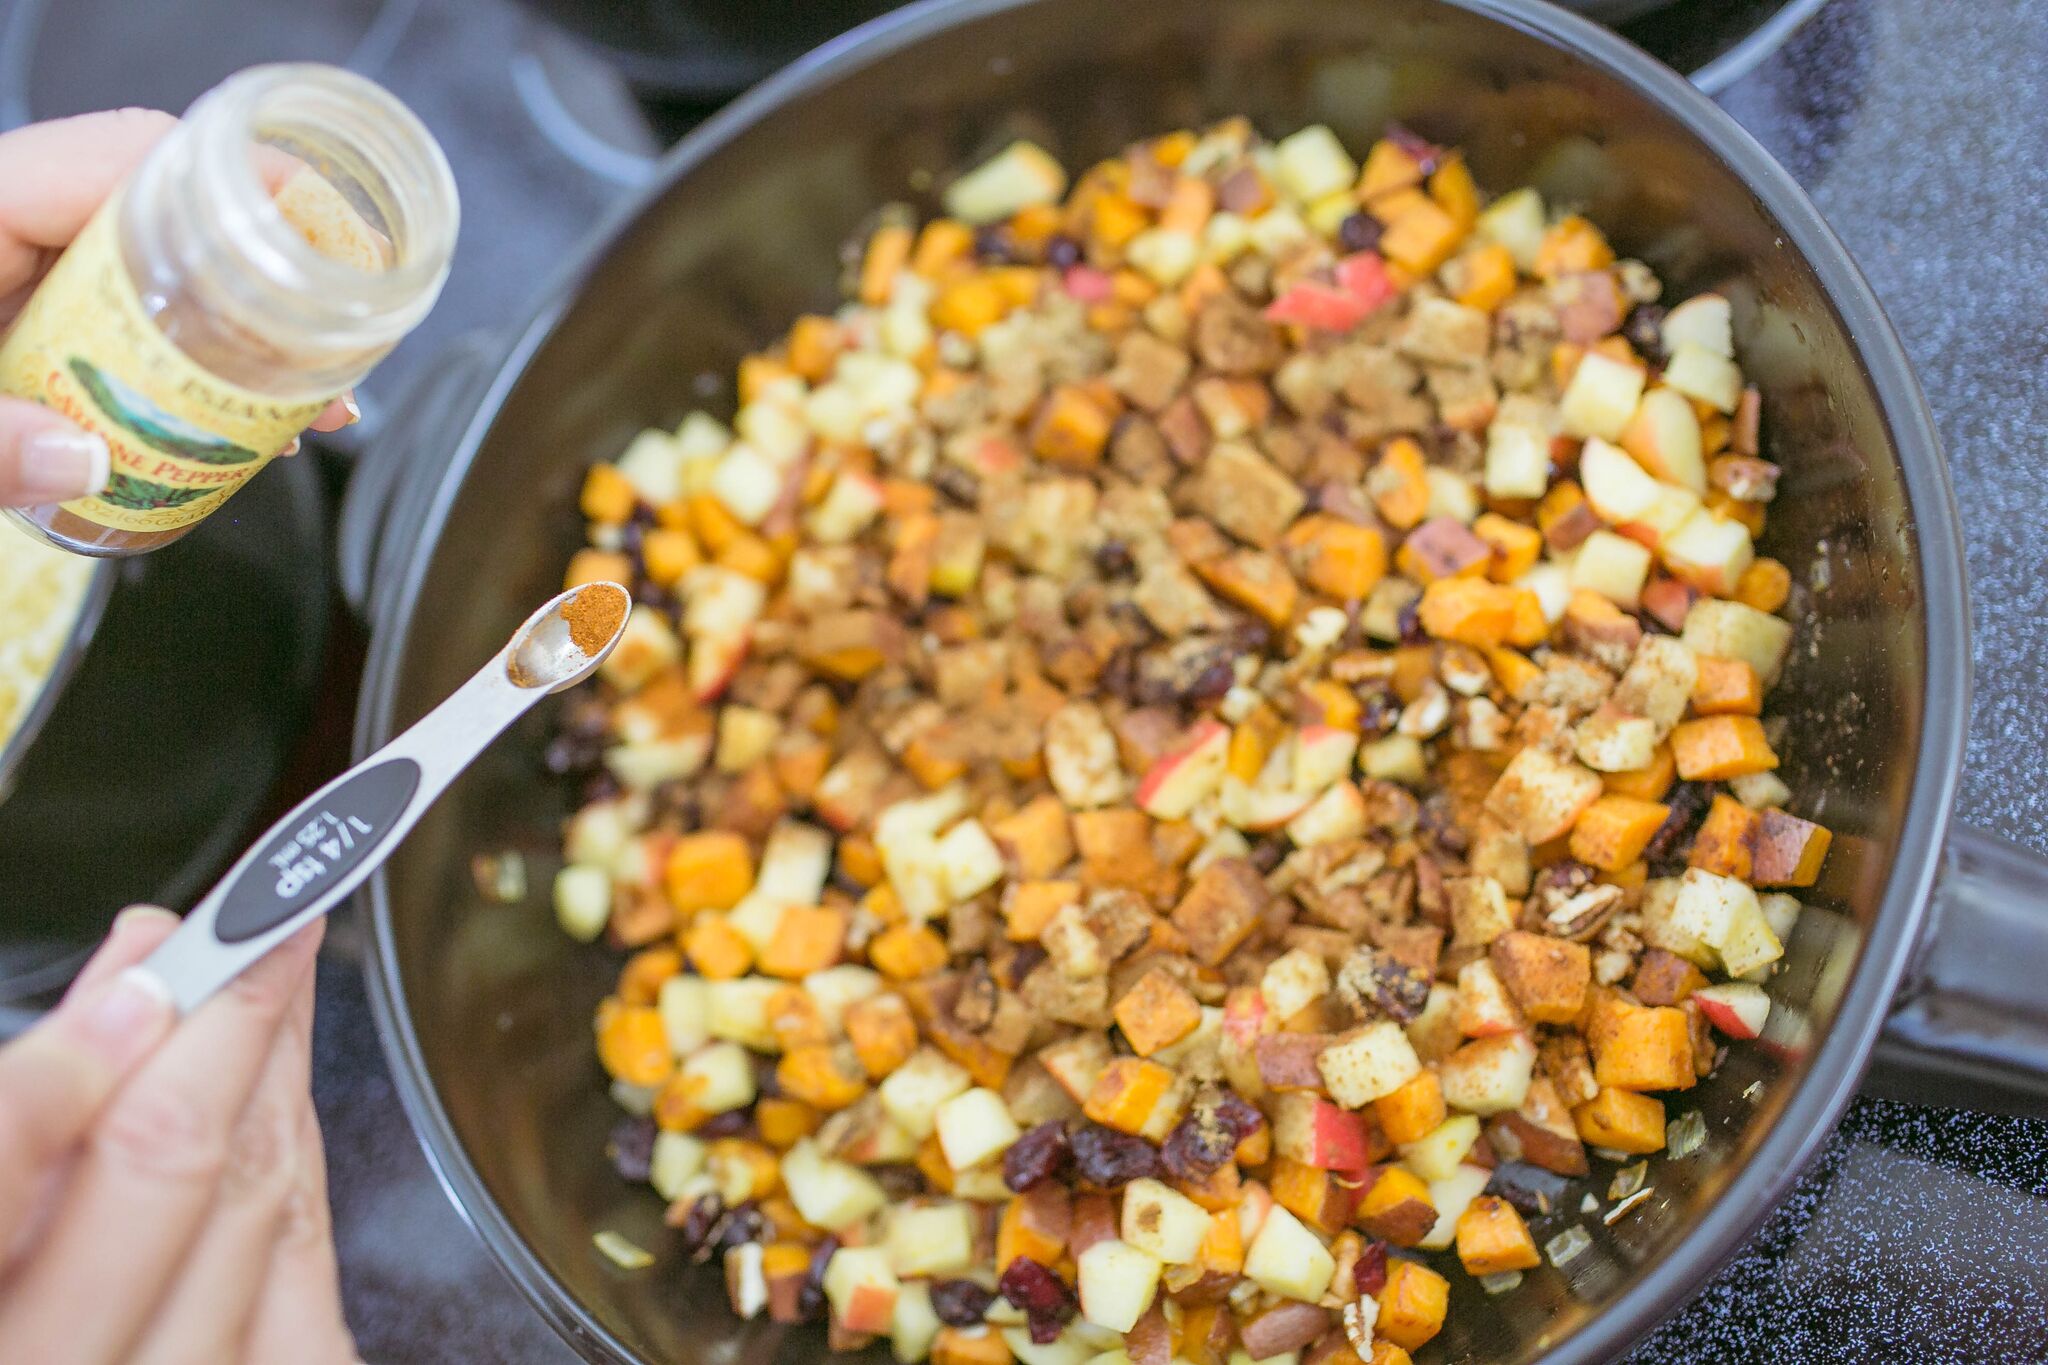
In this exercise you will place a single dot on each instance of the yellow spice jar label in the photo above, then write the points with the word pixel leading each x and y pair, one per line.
pixel 182 439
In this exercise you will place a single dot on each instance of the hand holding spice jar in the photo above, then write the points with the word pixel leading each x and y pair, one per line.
pixel 224 279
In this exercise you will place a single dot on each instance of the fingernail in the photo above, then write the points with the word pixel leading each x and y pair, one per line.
pixel 129 1014
pixel 62 463
pixel 135 913
pixel 348 405
pixel 292 448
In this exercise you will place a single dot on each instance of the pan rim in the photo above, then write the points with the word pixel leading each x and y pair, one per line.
pixel 1837 1065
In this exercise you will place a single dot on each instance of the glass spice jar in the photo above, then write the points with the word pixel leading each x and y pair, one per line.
pixel 266 254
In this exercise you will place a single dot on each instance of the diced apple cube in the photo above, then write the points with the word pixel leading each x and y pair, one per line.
pixel 1516 221
pixel 1484 1008
pixel 1322 755
pixel 1116 1283
pixel 1451 495
pixel 583 900
pixel 1435 1156
pixel 1285 1258
pixel 913 1092
pixel 1294 981
pixel 748 483
pixel 1698 373
pixel 1601 397
pixel 1709 553
pixel 646 645
pixel 1182 779
pixel 1733 630
pixel 1434 1032
pixel 830 1194
pixel 1748 943
pixel 1368 1062
pixel 685 1005
pixel 1517 460
pixel 1737 1008
pixel 1311 1130
pixel 1453 1194
pixel 969 861
pixel 1163 1222
pixel 1017 177
pixel 974 1127
pixel 718 1076
pixel 1311 163
pixel 1619 489
pixel 1664 438
pixel 1613 566
pixel 852 502
pixel 931 1239
pixel 861 1288
pixel 677 1159
pixel 1489 1075
pixel 1704 320
pixel 738 1011
pixel 915 1324
pixel 1335 816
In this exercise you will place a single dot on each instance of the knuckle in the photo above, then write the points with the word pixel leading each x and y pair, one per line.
pixel 259 1154
pixel 305 1220
pixel 163 1135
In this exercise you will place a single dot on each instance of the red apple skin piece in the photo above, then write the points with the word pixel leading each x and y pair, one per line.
pixel 1206 745
pixel 1669 600
pixel 1736 1008
pixel 1244 1016
pixel 1331 1138
pixel 869 1309
pixel 1287 1061
pixel 713 664
pixel 1095 1220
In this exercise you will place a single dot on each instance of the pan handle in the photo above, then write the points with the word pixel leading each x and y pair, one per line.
pixel 398 472
pixel 1970 1027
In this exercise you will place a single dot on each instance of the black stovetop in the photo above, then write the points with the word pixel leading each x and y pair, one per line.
pixel 1920 1235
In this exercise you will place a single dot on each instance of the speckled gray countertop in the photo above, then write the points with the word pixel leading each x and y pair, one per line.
pixel 1921 128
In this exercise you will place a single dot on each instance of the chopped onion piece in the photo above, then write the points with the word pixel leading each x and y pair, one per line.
pixel 1589 1203
pixel 500 877
pixel 1568 1245
pixel 1501 1283
pixel 620 1252
pixel 1628 1180
pixel 1614 1215
pixel 1753 1091
pixel 1685 1134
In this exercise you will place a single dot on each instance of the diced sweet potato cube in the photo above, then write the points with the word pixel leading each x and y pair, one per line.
pixel 1220 909
pixel 1573 244
pixel 1716 748
pixel 1644 784
pixel 1765 584
pixel 1396 1207
pixel 1442 548
pixel 1789 850
pixel 1727 841
pixel 882 1031
pixel 1727 687
pixel 1614 831
pixel 795 1019
pixel 1071 428
pixel 1337 558
pixel 1036 839
pixel 1492 1238
pixel 1474 612
pixel 640 979
pixel 1665 978
pixel 593 566
pixel 1317 1197
pixel 710 870
pixel 1157 1012
pixel 1399 484
pixel 783 1122
pixel 823 1077
pixel 1643 1047
pixel 1483 277
pixel 970 1346
pixel 969 305
pixel 1565 517
pixel 807 939
pixel 1127 1092
pixel 907 951
pixel 1414 1110
pixel 608 497
pixel 1622 1120
pixel 1547 977
pixel 1029 906
pixel 717 950
pixel 1412 1304
pixel 1541 796
pixel 1255 580
pixel 633 1046
pixel 1035 1224
pixel 887 253
pixel 1516 546
pixel 1222 1249
pixel 1421 238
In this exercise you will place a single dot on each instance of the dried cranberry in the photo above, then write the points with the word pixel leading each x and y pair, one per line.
pixel 631 1147
pixel 810 1299
pixel 1198 1145
pixel 1211 683
pixel 1688 802
pixel 1409 620
pixel 744 1224
pixel 601 786
pixel 1645 330
pixel 1379 710
pixel 1062 251
pixel 631 537
pixel 1531 1189
pixel 698 1231
pixel 993 243
pixel 1239 1115
pixel 1040 1295
pixel 958 484
pixel 1428 156
pixel 1438 821
pixel 1268 853
pixel 1107 1158
pixel 960 1303
pixel 1370 1271
pixel 1359 232
pixel 1113 559
pixel 1399 989
pixel 731 1123
pixel 1029 956
pixel 1036 1156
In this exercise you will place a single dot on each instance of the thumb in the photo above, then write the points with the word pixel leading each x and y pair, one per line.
pixel 44 458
